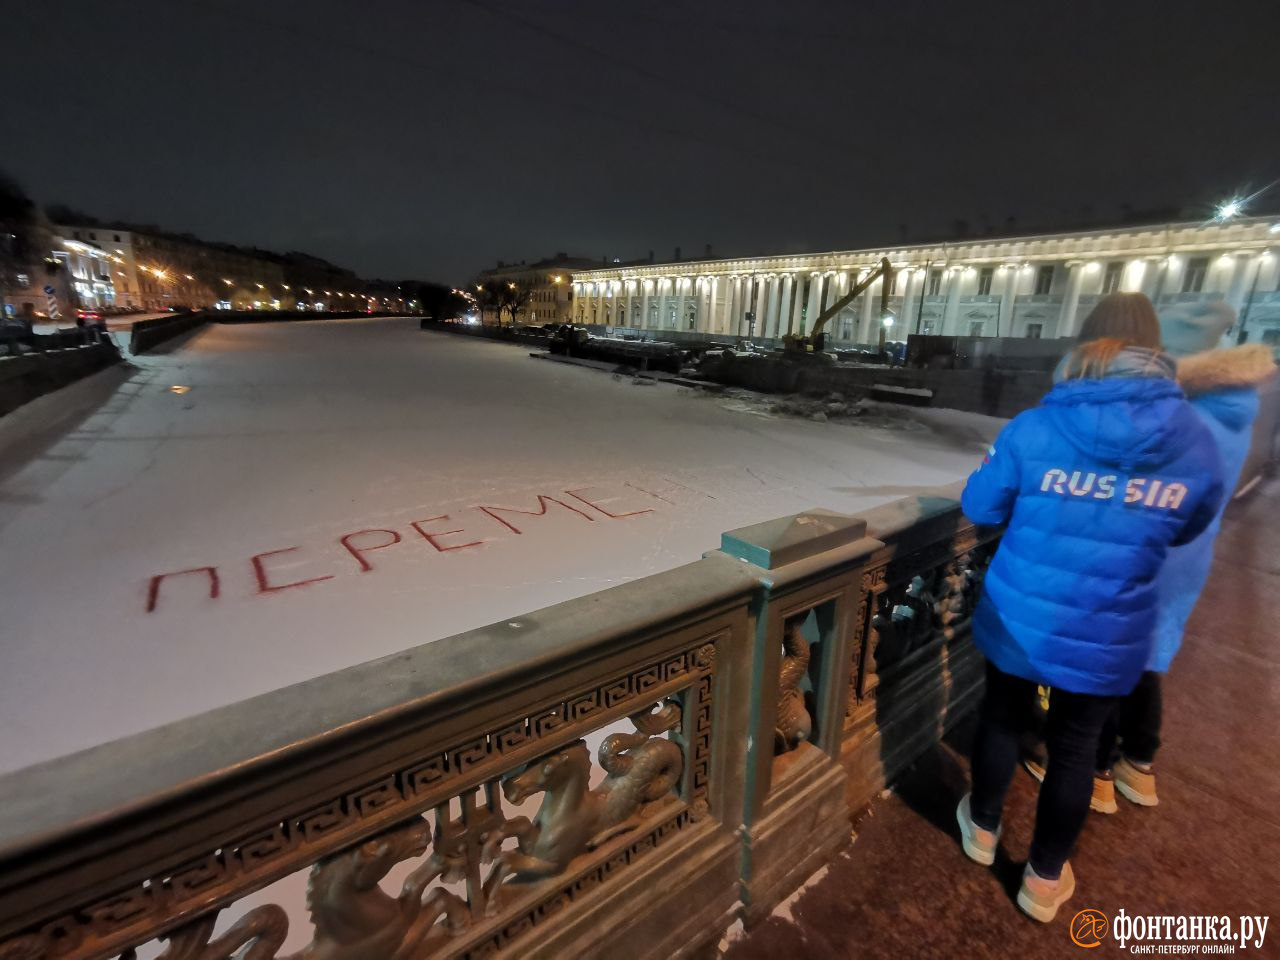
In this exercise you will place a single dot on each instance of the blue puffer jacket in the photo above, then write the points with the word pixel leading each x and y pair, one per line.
pixel 1222 386
pixel 1095 485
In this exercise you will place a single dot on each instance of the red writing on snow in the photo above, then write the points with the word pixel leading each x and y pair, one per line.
pixel 362 543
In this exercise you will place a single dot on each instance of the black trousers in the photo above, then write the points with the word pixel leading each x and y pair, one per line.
pixel 1072 734
pixel 1135 724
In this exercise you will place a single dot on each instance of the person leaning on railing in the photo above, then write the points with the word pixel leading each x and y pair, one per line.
pixel 1095 485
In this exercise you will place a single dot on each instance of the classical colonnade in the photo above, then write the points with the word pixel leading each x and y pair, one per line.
pixel 1034 286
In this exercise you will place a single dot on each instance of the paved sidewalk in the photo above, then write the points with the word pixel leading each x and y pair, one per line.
pixel 1212 847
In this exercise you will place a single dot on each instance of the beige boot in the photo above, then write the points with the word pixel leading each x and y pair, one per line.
pixel 1104 791
pixel 1040 898
pixel 1137 786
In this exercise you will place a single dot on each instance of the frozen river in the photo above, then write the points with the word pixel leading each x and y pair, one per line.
pixel 341 490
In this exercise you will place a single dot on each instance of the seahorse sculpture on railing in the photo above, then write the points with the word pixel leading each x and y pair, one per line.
pixel 354 919
pixel 794 725
pixel 642 768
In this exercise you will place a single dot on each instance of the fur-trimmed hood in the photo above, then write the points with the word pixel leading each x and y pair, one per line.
pixel 1229 368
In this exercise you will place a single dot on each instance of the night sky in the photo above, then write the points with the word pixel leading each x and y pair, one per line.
pixel 427 140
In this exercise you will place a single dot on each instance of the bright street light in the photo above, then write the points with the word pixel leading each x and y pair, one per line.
pixel 1230 208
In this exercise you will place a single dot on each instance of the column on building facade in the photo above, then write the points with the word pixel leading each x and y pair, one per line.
pixel 785 296
pixel 664 303
pixel 1156 272
pixel 1237 287
pixel 761 306
pixel 795 319
pixel 813 307
pixel 1068 325
pixel 599 301
pixel 951 312
pixel 1008 300
pixel 614 287
pixel 867 332
pixel 644 305
pixel 842 282
pixel 681 285
pixel 769 328
pixel 732 297
pixel 908 317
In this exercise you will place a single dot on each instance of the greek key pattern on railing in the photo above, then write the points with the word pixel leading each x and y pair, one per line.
pixel 512 872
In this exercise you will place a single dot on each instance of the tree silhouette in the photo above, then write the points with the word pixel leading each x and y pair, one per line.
pixel 25 237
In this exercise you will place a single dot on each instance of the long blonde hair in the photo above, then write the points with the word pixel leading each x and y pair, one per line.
pixel 1119 320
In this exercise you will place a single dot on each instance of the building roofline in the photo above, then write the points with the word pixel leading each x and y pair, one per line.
pixel 677 266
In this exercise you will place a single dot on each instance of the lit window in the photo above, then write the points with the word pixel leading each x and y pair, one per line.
pixel 935 282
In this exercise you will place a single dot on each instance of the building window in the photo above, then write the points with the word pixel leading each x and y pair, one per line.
pixel 117 236
pixel 24 280
pixel 975 327
pixel 1111 279
pixel 1193 279
pixel 1044 280
pixel 1035 330
pixel 984 280
pixel 935 282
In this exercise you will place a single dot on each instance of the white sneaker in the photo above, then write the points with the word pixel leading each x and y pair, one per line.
pixel 979 845
pixel 1040 898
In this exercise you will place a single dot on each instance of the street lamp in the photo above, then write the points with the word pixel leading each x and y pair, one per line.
pixel 1230 208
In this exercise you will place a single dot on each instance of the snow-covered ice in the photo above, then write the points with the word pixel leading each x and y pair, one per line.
pixel 377 474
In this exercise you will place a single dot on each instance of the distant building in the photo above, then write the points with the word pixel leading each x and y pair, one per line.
pixel 154 270
pixel 1031 286
pixel 551 292
pixel 89 273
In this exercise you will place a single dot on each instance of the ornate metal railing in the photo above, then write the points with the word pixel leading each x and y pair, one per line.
pixel 626 773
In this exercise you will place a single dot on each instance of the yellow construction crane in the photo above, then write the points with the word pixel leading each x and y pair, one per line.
pixel 798 344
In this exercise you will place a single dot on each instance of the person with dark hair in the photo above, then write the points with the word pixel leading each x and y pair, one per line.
pixel 1095 485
